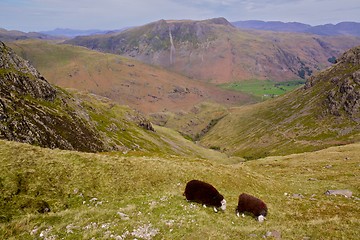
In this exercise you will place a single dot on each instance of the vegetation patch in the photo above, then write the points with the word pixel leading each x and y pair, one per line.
pixel 264 89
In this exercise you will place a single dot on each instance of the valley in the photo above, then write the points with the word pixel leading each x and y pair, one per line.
pixel 100 134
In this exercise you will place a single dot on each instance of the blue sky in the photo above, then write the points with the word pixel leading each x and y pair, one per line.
pixel 40 15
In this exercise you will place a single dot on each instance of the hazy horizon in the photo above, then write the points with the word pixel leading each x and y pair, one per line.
pixel 42 15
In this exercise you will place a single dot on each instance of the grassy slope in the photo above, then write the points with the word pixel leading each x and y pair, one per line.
pixel 192 123
pixel 148 189
pixel 128 82
pixel 296 122
pixel 120 126
pixel 280 126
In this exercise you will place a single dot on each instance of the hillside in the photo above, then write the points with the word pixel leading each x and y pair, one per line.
pixel 30 109
pixel 107 196
pixel 325 112
pixel 215 51
pixel 146 88
pixel 33 111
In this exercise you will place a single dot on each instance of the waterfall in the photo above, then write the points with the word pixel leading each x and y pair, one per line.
pixel 172 48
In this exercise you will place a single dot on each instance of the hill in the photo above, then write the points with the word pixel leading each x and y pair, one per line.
pixel 215 51
pixel 107 196
pixel 35 112
pixel 146 88
pixel 13 35
pixel 342 28
pixel 323 113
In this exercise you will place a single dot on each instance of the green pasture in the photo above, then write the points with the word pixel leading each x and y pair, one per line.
pixel 263 89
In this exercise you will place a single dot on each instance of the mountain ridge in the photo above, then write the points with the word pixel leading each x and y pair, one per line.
pixel 222 53
pixel 341 28
pixel 14 35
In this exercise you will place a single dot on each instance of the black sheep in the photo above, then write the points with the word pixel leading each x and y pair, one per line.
pixel 204 193
pixel 252 205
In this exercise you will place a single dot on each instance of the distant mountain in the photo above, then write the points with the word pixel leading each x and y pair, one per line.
pixel 12 35
pixel 272 26
pixel 342 28
pixel 215 51
pixel 70 33
pixel 326 112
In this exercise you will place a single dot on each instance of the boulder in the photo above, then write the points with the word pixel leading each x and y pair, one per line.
pixel 346 193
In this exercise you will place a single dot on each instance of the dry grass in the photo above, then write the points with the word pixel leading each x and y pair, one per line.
pixel 142 196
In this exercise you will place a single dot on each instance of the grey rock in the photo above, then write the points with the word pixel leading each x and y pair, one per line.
pixel 344 192
pixel 275 234
pixel 297 195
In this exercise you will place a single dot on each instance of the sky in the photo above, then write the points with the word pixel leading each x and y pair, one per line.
pixel 43 15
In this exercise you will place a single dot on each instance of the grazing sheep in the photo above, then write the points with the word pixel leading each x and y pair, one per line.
pixel 252 205
pixel 204 193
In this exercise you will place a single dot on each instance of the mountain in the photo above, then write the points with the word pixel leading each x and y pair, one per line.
pixel 13 35
pixel 215 51
pixel 342 28
pixel 70 33
pixel 325 112
pixel 146 88
pixel 276 26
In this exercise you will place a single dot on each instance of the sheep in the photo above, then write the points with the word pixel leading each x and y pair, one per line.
pixel 204 193
pixel 252 205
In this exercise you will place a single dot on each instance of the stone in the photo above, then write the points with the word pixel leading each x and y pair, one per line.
pixel 275 234
pixel 346 193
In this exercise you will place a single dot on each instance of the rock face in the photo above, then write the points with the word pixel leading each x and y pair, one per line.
pixel 18 76
pixel 344 80
pixel 33 111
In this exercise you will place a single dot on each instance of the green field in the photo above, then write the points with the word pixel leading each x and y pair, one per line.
pixel 263 89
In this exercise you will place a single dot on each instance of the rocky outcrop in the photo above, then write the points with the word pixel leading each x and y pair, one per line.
pixel 33 111
pixel 341 85
pixel 346 98
pixel 18 76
